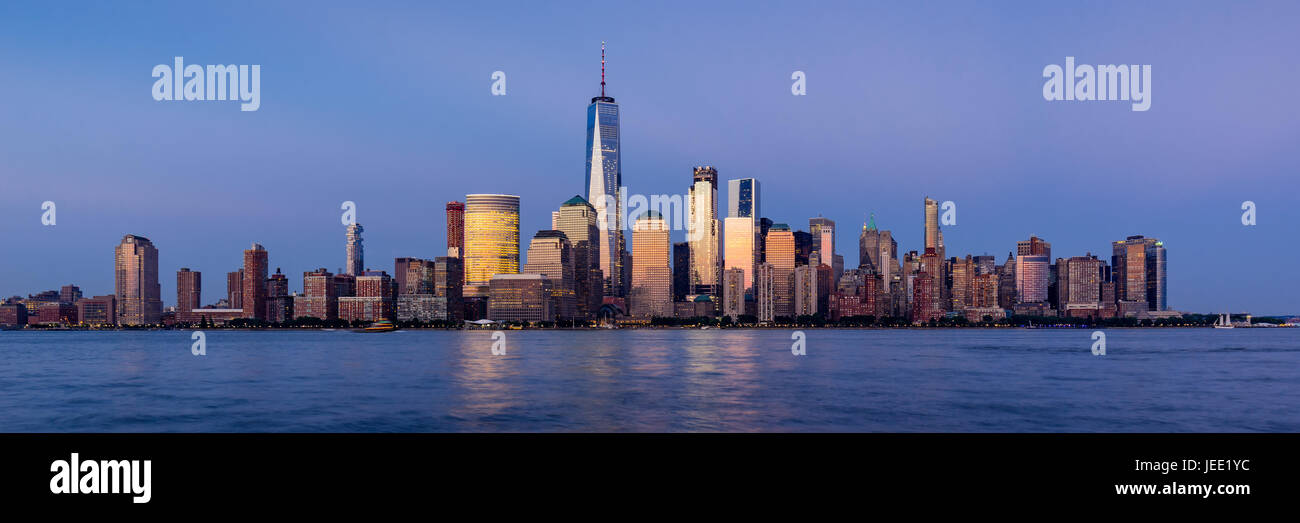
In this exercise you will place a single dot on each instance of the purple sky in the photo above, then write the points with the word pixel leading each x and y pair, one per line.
pixel 390 107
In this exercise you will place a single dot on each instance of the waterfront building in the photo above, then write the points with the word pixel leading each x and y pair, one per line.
pixel 491 240
pixel 139 296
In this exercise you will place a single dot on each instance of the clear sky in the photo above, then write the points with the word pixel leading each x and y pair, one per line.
pixel 389 105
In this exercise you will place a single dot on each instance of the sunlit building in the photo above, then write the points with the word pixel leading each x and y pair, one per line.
pixel 704 234
pixel 651 294
pixel 1139 272
pixel 491 240
pixel 604 181
pixel 139 296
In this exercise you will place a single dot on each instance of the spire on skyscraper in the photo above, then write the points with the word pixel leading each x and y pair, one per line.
pixel 602 68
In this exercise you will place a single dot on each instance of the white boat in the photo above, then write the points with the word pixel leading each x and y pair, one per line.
pixel 1224 322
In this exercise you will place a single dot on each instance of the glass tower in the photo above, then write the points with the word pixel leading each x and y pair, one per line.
pixel 604 181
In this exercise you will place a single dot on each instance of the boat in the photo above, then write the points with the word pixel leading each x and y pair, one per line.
pixel 380 326
pixel 1224 321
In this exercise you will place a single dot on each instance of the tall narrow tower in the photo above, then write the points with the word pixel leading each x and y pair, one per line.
pixel 604 178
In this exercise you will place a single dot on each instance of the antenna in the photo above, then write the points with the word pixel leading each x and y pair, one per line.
pixel 602 68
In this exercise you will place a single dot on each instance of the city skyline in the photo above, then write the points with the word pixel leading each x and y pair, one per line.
pixel 1179 194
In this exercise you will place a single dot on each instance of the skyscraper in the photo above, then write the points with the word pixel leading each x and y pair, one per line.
pixel 741 234
pixel 576 218
pixel 733 293
pixel 704 234
pixel 604 177
pixel 823 233
pixel 765 292
pixel 1031 278
pixel 1080 279
pixel 1139 272
pixel 455 229
pixel 235 289
pixel 491 240
pixel 189 286
pixel 681 270
pixel 781 256
pixel 933 236
pixel 1034 245
pixel 741 247
pixel 279 304
pixel 743 198
pixel 805 290
pixel 651 294
pixel 356 262
pixel 551 255
pixel 139 297
pixel 255 273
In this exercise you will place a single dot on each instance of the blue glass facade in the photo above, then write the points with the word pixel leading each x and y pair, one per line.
pixel 604 178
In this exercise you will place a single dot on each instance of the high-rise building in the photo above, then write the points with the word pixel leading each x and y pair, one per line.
pixel 703 234
pixel 320 298
pixel 604 182
pixel 924 299
pixel 1031 278
pixel 1139 273
pixel 576 218
pixel 765 292
pixel 741 247
pixel 235 289
pixel 551 255
pixel 279 304
pixel 805 290
pixel 985 291
pixel 823 234
pixel 934 240
pixel 189 287
pixel 963 283
pixel 651 293
pixel 681 271
pixel 733 293
pixel 255 274
pixel 1035 246
pixel 781 256
pixel 1079 279
pixel 139 296
pixel 743 199
pixel 491 240
pixel 356 262
pixel 933 236
pixel 448 282
pixel 455 229
pixel 1007 282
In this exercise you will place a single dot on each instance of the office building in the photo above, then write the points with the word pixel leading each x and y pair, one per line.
pixel 139 296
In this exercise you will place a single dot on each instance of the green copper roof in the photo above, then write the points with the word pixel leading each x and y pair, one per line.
pixel 871 225
pixel 575 200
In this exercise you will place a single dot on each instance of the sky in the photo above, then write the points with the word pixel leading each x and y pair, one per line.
pixel 389 105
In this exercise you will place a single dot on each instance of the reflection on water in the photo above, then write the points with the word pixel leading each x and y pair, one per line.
pixel 652 380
